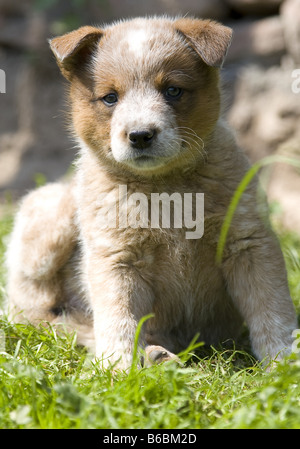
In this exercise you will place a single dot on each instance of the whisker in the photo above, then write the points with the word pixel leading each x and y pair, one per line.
pixel 191 132
pixel 190 137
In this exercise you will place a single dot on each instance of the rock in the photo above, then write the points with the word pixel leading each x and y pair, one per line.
pixel 255 7
pixel 266 115
pixel 15 7
pixel 257 40
pixel 33 135
pixel 290 14
pixel 265 110
pixel 215 9
pixel 283 186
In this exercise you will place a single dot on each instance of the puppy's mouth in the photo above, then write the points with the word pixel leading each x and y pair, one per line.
pixel 146 161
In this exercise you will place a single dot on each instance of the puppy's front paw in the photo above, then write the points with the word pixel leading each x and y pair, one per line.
pixel 157 354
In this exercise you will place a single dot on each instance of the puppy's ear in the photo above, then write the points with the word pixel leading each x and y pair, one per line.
pixel 72 50
pixel 210 39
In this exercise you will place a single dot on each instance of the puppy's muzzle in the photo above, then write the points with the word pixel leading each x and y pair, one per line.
pixel 142 139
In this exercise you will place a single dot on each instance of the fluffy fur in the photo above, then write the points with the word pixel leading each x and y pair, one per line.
pixel 145 105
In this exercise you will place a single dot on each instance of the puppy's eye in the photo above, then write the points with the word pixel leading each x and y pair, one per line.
pixel 173 93
pixel 110 99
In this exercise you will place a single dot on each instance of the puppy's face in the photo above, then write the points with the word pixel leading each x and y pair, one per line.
pixel 145 92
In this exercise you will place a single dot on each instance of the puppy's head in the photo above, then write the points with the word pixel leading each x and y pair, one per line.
pixel 144 92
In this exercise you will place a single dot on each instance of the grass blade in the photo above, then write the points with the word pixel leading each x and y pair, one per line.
pixel 239 192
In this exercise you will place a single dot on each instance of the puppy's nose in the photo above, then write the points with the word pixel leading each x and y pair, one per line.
pixel 141 139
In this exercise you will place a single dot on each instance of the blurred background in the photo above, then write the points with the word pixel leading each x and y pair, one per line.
pixel 261 103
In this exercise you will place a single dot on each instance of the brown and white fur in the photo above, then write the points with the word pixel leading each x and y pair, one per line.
pixel 145 104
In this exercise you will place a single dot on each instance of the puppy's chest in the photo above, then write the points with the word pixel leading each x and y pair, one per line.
pixel 128 230
pixel 166 258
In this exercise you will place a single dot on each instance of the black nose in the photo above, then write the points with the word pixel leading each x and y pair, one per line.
pixel 141 139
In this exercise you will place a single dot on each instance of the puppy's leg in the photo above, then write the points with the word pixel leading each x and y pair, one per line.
pixel 120 298
pixel 42 241
pixel 257 281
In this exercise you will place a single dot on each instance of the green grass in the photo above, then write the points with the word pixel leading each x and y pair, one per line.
pixel 46 381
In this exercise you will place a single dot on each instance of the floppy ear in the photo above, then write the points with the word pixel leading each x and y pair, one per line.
pixel 210 39
pixel 73 49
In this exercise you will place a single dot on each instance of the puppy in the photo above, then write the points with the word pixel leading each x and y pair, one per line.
pixel 145 106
